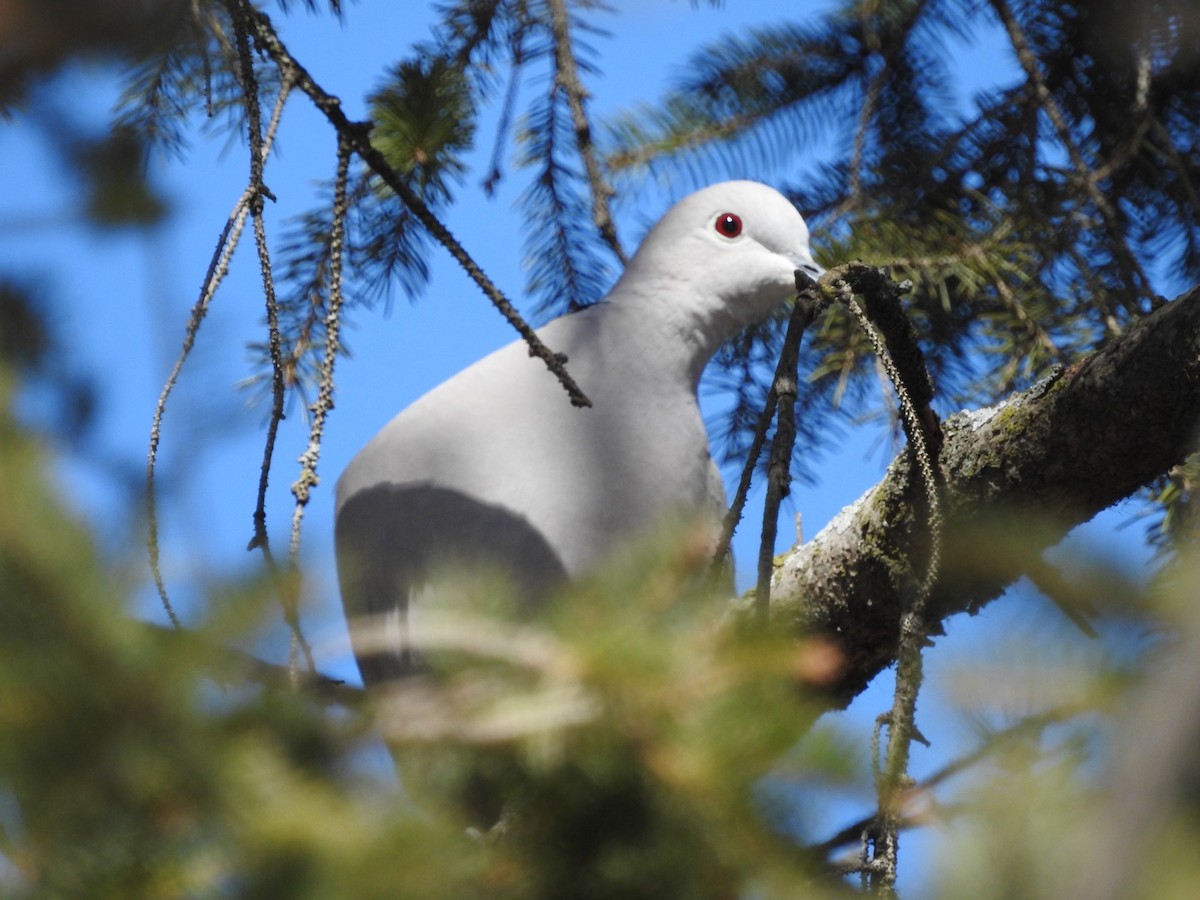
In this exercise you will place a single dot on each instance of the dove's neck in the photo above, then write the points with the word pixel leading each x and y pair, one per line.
pixel 675 326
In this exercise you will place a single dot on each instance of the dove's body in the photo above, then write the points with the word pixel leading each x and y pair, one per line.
pixel 496 467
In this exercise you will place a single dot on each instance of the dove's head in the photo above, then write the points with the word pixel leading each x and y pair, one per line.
pixel 726 255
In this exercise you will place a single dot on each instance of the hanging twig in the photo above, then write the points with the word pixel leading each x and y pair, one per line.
pixel 218 267
pixel 324 402
pixel 249 83
pixel 895 343
pixel 733 515
pixel 288 582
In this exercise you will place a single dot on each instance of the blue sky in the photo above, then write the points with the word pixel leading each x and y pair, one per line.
pixel 120 301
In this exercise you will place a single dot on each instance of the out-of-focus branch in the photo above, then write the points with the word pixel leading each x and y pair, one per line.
pixel 1025 729
pixel 229 662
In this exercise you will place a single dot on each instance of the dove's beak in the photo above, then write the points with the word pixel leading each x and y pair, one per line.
pixel 808 271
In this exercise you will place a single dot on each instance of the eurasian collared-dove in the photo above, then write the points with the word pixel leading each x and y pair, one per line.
pixel 496 469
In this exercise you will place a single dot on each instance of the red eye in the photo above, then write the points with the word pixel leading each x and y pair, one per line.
pixel 729 224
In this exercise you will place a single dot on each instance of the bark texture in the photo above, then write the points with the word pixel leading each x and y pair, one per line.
pixel 1042 461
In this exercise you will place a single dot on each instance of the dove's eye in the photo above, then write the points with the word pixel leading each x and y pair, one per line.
pixel 729 224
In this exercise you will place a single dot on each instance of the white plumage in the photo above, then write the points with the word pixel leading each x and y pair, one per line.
pixel 495 468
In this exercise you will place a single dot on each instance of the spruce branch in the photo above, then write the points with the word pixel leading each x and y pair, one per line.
pixel 507 106
pixel 359 137
pixel 566 77
pixel 1139 282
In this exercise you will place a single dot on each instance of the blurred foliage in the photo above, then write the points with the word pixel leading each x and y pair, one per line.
pixel 114 169
pixel 39 37
pixel 1101 807
pixel 66 398
pixel 631 746
pixel 144 763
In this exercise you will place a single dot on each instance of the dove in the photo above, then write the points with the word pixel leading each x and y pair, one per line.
pixel 495 471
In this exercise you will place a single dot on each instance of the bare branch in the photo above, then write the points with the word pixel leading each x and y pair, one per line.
pixel 289 585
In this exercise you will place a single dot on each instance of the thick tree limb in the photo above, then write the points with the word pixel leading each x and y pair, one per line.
pixel 1055 455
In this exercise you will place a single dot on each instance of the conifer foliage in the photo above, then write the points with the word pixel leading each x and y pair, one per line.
pixel 1045 232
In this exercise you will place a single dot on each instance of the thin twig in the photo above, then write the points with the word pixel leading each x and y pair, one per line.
pixel 218 268
pixel 288 583
pixel 249 83
pixel 359 137
pixel 566 76
pixel 785 389
pixel 815 305
pixel 734 515
pixel 333 317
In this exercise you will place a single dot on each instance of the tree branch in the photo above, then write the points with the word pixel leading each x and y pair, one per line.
pixel 1055 454
pixel 566 76
pixel 358 136
pixel 1088 179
